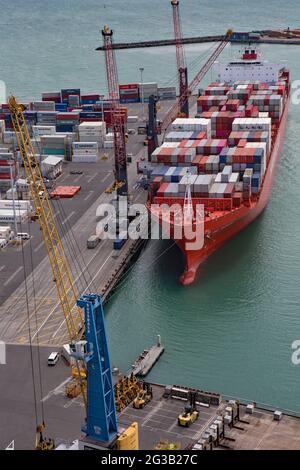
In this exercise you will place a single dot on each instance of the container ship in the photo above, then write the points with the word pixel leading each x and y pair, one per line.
pixel 222 160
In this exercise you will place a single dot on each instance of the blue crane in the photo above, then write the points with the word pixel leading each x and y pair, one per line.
pixel 101 418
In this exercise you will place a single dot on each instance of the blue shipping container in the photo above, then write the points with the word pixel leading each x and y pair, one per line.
pixel 119 243
pixel 61 107
pixel 129 100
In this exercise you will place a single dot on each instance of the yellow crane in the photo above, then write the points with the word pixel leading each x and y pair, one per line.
pixel 61 271
pixel 62 275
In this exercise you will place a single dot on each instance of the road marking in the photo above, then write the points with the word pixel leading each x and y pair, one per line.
pixel 63 322
pixel 40 245
pixel 58 303
pixel 78 178
pixel 92 177
pixel 68 218
pixel 1 269
pixel 13 276
pixel 57 391
pixel 105 178
pixel 88 196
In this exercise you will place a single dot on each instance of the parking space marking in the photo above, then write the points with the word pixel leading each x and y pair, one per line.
pixel 13 276
pixel 92 177
pixel 78 178
pixel 58 390
pixel 68 218
pixel 105 178
pixel 102 266
pixel 89 195
pixel 40 245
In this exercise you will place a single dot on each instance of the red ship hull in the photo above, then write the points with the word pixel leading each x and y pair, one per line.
pixel 218 230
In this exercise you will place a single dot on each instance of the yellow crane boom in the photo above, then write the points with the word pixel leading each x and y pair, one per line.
pixel 62 275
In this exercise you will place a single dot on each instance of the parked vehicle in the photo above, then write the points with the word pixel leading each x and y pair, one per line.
pixel 53 359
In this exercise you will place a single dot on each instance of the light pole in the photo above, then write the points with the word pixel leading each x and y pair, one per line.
pixel 142 83
pixel 13 198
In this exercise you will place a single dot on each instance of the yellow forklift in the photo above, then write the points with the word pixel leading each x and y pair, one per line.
pixel 145 396
pixel 41 443
pixel 191 414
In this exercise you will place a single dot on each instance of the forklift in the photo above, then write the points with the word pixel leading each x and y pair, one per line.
pixel 191 414
pixel 144 397
pixel 41 443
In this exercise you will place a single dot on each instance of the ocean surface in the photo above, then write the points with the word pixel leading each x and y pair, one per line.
pixel 232 330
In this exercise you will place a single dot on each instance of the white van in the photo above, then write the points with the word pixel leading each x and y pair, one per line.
pixel 3 243
pixel 53 359
pixel 23 236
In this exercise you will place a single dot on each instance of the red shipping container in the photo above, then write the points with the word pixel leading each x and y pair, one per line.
pixel 158 180
pixel 237 199
pixel 56 99
pixel 201 165
pixel 162 189
pixel 90 97
pixel 197 160
pixel 129 86
pixel 67 117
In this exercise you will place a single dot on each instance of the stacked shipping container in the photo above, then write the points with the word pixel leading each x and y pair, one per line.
pixel 230 160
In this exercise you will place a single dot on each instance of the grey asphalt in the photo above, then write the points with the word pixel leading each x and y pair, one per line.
pixel 96 178
pixel 17 409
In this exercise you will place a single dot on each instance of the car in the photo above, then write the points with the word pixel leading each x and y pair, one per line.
pixel 23 236
pixel 131 131
pixel 53 359
pixel 76 172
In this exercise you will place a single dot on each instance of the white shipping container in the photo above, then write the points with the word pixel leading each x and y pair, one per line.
pixel 85 159
pixel 39 131
pixel 9 204
pixel 43 106
pixel 226 174
pixel 85 145
pixel 7 216
pixel 132 119
pixel 185 180
pixel 170 145
pixel 192 124
pixel 108 145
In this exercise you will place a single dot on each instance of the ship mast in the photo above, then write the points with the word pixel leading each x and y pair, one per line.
pixel 188 204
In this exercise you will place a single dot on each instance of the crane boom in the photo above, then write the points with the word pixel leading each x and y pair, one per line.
pixel 173 112
pixel 117 118
pixel 61 271
pixel 180 58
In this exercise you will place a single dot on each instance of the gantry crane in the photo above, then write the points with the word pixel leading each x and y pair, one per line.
pixel 180 59
pixel 117 120
pixel 175 109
